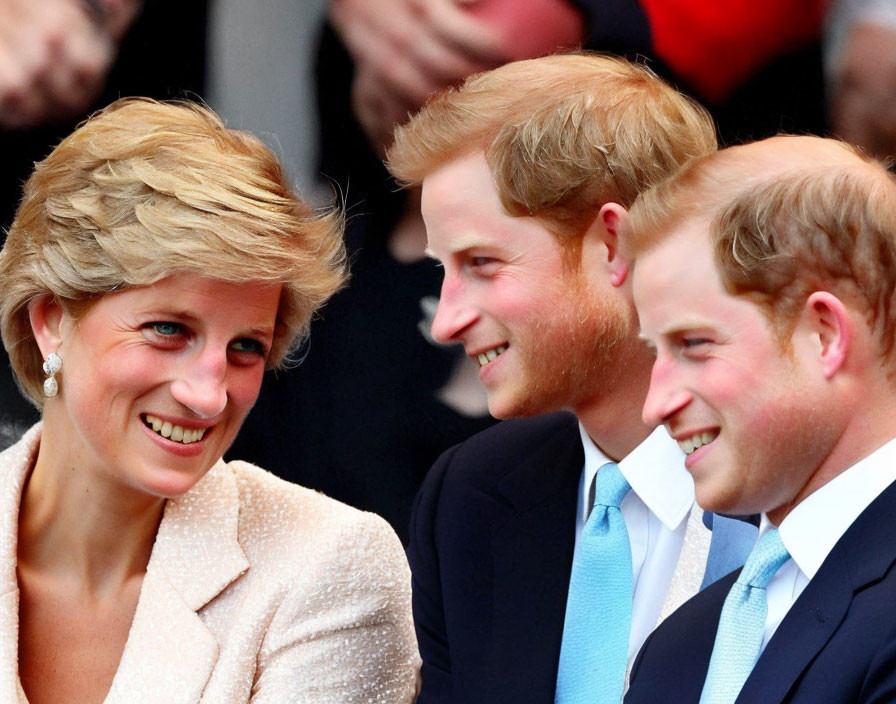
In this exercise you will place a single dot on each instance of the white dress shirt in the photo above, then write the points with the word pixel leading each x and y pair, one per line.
pixel 655 513
pixel 813 527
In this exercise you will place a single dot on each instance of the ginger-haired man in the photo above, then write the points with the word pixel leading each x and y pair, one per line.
pixel 527 172
pixel 764 278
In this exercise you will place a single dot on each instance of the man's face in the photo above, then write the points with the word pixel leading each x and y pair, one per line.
pixel 545 338
pixel 746 411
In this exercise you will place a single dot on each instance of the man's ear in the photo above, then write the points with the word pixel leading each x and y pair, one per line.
pixel 830 326
pixel 46 315
pixel 605 229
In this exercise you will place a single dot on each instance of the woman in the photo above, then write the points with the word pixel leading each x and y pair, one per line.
pixel 158 263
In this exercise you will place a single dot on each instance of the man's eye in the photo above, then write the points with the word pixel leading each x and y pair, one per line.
pixel 166 329
pixel 694 341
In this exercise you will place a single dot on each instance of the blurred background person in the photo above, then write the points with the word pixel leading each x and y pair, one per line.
pixel 54 56
pixel 61 60
pixel 158 264
pixel 860 61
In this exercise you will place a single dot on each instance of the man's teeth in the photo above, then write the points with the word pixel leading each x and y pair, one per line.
pixel 174 432
pixel 487 357
pixel 696 441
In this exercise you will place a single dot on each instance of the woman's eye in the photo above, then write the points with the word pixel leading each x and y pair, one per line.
pixel 166 329
pixel 247 346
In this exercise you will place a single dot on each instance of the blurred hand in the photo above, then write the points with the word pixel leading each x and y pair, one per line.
pixel 404 50
pixel 863 106
pixel 55 55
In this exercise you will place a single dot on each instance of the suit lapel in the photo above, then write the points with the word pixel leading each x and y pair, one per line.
pixel 533 550
pixel 170 653
pixel 862 556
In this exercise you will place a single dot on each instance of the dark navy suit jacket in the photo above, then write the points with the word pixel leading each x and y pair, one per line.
pixel 837 643
pixel 492 538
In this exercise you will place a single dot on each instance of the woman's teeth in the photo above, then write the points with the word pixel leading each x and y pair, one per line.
pixel 177 433
pixel 487 357
pixel 696 441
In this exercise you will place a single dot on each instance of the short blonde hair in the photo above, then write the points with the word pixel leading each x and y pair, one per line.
pixel 783 232
pixel 562 134
pixel 143 190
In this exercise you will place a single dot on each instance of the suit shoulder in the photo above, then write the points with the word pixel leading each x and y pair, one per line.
pixel 528 452
pixel 512 441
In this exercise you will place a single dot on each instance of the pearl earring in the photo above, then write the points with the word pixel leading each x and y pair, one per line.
pixel 52 365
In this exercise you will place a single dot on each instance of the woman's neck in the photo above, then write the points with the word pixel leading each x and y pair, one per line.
pixel 98 533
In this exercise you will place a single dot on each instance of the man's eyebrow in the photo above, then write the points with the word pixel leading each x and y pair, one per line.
pixel 646 340
pixel 679 327
pixel 459 244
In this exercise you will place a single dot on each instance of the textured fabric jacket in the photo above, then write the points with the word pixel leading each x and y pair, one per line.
pixel 256 590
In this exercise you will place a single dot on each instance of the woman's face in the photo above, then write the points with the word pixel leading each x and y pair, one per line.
pixel 156 380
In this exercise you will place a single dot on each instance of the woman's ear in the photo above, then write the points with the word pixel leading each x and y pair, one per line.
pixel 46 315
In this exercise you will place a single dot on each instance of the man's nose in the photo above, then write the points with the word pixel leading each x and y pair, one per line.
pixel 666 394
pixel 454 313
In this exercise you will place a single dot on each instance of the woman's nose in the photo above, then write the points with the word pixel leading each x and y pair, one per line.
pixel 202 385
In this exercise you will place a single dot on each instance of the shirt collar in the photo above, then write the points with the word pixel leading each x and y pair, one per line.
pixel 656 472
pixel 813 527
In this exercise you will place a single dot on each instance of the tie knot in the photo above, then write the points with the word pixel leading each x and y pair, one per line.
pixel 610 487
pixel 766 557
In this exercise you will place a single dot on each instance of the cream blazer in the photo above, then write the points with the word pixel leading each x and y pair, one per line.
pixel 257 590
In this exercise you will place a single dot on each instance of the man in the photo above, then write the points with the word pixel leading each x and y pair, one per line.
pixel 764 279
pixel 526 172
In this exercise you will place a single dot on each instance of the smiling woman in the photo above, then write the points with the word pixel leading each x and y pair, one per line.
pixel 157 265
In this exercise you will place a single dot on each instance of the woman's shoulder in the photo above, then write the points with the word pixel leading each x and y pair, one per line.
pixel 300 520
pixel 17 449
pixel 12 433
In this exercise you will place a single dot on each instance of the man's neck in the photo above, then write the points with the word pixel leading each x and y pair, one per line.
pixel 612 416
pixel 864 426
pixel 615 425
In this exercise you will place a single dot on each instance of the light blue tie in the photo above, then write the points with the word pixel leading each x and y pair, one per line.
pixel 742 624
pixel 594 651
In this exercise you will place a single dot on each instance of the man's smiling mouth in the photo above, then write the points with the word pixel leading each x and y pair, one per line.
pixel 491 355
pixel 697 440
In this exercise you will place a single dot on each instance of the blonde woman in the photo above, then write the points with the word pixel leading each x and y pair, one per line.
pixel 157 265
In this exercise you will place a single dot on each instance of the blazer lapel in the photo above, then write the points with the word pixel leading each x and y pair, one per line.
pixel 15 462
pixel 170 653
pixel 862 556
pixel 533 551
pixel 692 563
